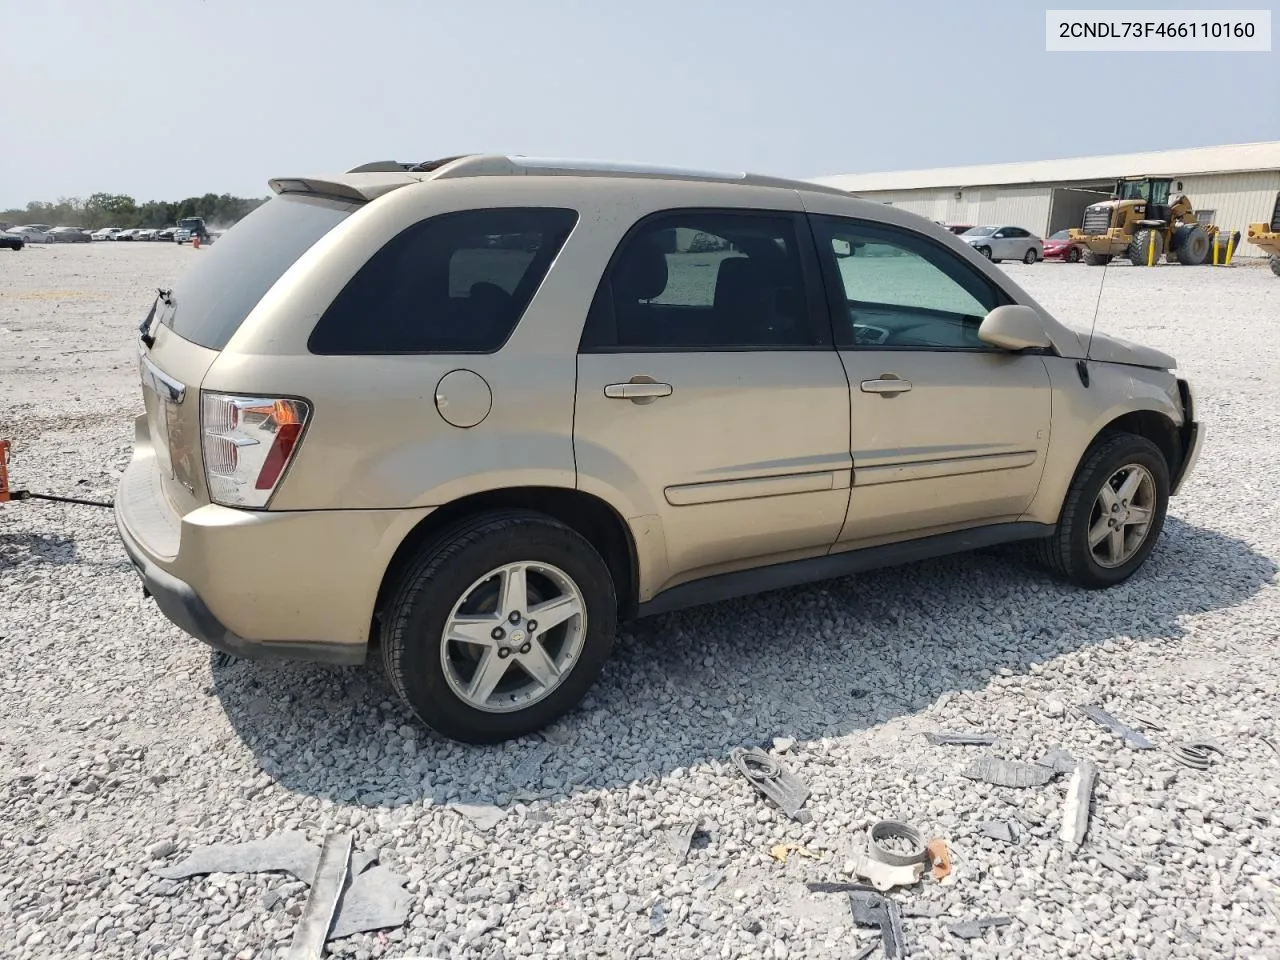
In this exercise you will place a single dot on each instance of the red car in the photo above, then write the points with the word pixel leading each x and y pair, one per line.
pixel 1058 247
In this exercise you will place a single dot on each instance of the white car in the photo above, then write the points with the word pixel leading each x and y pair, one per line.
pixel 146 233
pixel 106 233
pixel 131 234
pixel 1005 243
pixel 32 234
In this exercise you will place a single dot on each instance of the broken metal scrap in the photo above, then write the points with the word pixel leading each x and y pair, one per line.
pixel 1075 812
pixel 895 941
pixel 322 902
pixel 1131 737
pixel 680 839
pixel 1196 753
pixel 960 739
pixel 1004 830
pixel 775 782
pixel 972 929
pixel 1008 773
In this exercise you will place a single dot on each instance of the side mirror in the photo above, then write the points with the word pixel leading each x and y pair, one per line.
pixel 1013 327
pixel 842 248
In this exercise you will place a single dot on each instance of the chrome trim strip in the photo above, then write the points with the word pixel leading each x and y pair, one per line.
pixel 166 386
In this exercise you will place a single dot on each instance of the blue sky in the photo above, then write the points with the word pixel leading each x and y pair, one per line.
pixel 166 98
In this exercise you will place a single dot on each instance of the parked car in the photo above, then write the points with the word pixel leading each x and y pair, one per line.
pixel 958 227
pixel 32 233
pixel 165 233
pixel 1058 246
pixel 129 234
pixel 485 457
pixel 146 233
pixel 1005 243
pixel 106 233
pixel 68 235
pixel 11 241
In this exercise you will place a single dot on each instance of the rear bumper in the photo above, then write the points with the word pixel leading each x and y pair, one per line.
pixel 299 585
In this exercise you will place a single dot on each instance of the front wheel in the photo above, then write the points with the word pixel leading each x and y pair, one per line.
pixel 1073 255
pixel 985 251
pixel 500 627
pixel 1113 513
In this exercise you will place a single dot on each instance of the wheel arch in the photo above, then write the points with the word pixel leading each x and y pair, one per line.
pixel 589 515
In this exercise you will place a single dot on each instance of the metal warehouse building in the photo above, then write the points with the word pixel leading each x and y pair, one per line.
pixel 1230 186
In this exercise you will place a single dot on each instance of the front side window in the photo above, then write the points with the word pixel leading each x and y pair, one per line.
pixel 454 283
pixel 705 280
pixel 896 289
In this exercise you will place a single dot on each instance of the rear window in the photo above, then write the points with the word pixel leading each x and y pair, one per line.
pixel 455 283
pixel 228 279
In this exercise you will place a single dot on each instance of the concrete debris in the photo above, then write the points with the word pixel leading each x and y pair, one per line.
pixel 709 881
pixel 866 951
pixel 973 929
pixel 1004 830
pixel 486 816
pixel 1127 870
pixel 775 782
pixel 322 902
pixel 1130 736
pixel 960 739
pixel 783 744
pixel 1008 773
pixel 1075 811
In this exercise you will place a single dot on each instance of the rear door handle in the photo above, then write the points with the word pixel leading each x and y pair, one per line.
pixel 639 391
pixel 887 385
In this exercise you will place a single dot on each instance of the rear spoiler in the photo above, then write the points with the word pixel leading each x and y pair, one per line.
pixel 354 187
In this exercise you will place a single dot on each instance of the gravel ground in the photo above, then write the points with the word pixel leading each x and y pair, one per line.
pixel 124 745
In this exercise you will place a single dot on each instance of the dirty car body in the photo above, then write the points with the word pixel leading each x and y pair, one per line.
pixel 594 391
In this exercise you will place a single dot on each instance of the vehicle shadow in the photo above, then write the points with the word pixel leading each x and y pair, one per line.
pixel 16 548
pixel 688 687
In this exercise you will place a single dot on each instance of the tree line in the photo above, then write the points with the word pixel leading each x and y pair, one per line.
pixel 120 210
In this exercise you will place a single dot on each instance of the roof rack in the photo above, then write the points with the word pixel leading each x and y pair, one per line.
pixel 479 165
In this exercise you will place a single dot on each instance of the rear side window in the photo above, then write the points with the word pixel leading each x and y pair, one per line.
pixel 227 280
pixel 455 283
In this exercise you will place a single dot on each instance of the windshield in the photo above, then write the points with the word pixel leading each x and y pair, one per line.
pixel 1060 235
pixel 217 293
pixel 189 224
pixel 979 232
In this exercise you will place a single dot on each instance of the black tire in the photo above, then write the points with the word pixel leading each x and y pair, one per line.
pixel 440 576
pixel 1073 255
pixel 1030 256
pixel 985 251
pixel 1275 264
pixel 1140 247
pixel 1191 243
pixel 1067 552
pixel 1097 259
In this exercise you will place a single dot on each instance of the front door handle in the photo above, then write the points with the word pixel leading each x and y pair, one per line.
pixel 638 390
pixel 888 385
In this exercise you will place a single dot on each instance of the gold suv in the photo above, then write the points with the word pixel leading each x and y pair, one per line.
pixel 478 409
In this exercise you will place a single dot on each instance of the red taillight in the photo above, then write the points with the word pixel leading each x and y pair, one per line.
pixel 278 456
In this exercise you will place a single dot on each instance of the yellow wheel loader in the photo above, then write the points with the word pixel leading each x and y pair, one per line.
pixel 1144 223
pixel 1267 236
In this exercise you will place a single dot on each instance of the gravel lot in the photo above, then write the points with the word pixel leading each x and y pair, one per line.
pixel 123 744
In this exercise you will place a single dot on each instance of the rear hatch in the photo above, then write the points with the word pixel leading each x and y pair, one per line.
pixel 189 326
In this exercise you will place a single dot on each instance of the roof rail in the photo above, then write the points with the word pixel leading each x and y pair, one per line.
pixel 497 165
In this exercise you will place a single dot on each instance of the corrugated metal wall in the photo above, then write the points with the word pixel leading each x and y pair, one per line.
pixel 1237 199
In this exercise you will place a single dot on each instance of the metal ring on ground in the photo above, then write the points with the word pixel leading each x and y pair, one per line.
pixel 894 830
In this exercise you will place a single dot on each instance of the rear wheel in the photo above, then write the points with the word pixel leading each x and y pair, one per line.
pixel 499 627
pixel 1096 259
pixel 1113 513
pixel 1073 255
pixel 1030 256
pixel 1147 246
pixel 1275 264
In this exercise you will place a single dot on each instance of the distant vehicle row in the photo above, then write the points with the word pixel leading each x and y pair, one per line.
pixel 998 243
pixel 182 232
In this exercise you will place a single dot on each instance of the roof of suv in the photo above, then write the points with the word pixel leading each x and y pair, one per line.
pixel 371 180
